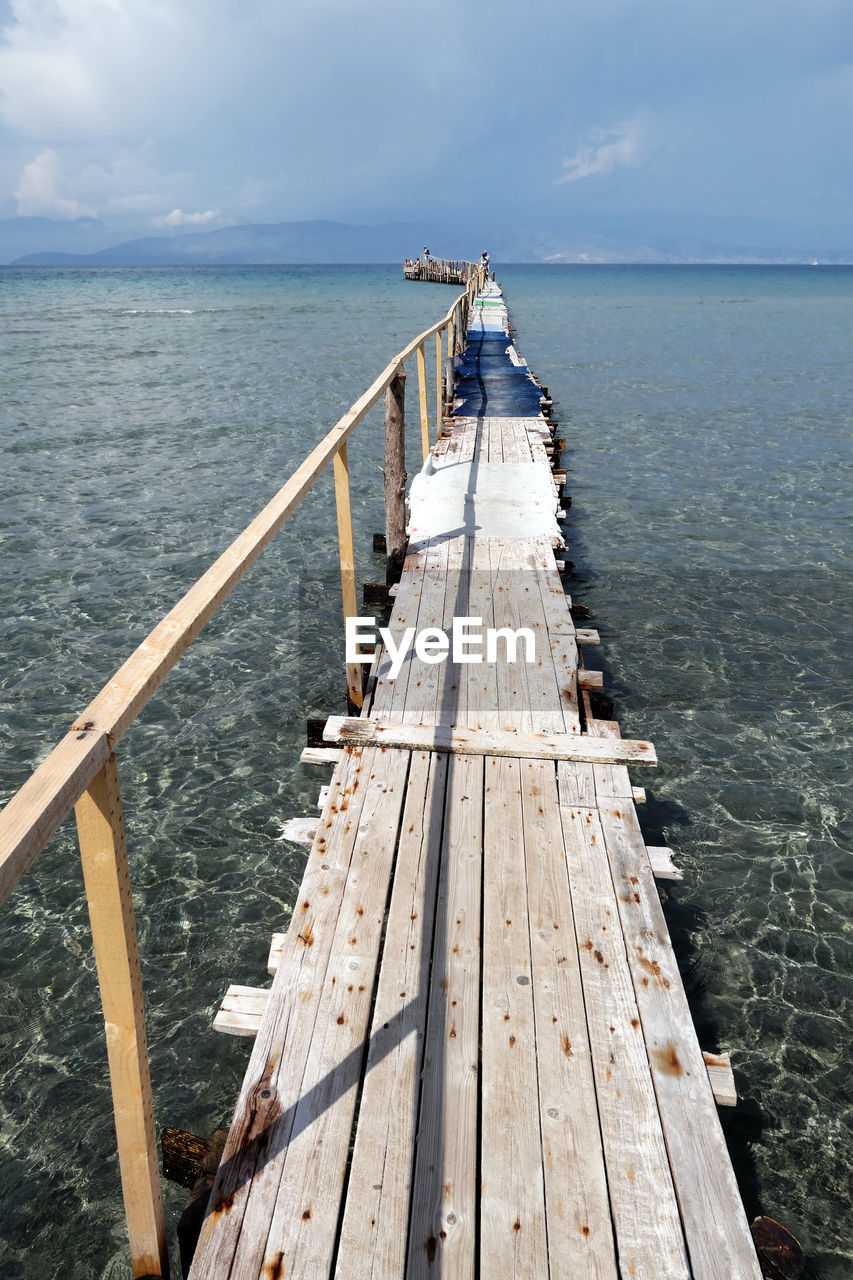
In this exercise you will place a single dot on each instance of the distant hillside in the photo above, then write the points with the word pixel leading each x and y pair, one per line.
pixel 263 243
pixel 614 238
pixel 29 235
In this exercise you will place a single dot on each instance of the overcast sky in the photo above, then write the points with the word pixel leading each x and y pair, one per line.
pixel 195 113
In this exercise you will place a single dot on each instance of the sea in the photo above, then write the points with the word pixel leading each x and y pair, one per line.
pixel 148 414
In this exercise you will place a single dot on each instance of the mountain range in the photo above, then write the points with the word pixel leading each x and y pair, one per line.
pixel 611 238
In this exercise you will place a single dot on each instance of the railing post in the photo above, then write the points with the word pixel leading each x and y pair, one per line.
pixel 438 385
pixel 422 397
pixel 103 851
pixel 395 476
pixel 346 555
pixel 450 365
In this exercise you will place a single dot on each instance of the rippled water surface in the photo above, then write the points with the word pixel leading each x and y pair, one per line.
pixel 148 414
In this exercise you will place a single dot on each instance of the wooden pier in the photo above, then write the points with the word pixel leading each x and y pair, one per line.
pixel 476 1057
pixel 440 271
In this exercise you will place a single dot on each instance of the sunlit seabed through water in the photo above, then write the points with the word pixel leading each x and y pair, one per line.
pixel 148 414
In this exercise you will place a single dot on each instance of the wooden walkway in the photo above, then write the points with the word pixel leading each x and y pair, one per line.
pixel 477 1058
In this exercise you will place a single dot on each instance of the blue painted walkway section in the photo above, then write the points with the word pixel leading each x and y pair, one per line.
pixel 489 383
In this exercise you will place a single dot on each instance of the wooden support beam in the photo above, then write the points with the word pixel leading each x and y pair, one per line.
pixel 638 795
pixel 346 556
pixel 395 476
pixel 103 851
pixel 488 742
pixel 376 593
pixel 587 635
pixel 186 1156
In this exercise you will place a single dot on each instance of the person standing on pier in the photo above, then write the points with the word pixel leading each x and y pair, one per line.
pixel 484 262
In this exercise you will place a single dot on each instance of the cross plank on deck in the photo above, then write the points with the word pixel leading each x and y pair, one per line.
pixel 477 1058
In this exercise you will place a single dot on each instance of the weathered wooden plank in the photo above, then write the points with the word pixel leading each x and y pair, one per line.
pixel 541 574
pixel 721 1078
pixel 444 1209
pixel 513 1239
pixel 299 830
pixel 663 867
pixel 263 1120
pixel 492 742
pixel 302 1229
pixel 514 693
pixel 451 694
pixel 481 685
pixel 643 1205
pixel 320 755
pixel 422 689
pixel 611 780
pixel 580 1236
pixel 375 1221
pixel 241 1010
pixel 276 949
pixel 715 1224
pixel 590 679
pixel 389 690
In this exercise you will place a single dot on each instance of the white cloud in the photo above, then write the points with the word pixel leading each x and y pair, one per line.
pixel 627 143
pixel 38 194
pixel 177 218
pixel 73 182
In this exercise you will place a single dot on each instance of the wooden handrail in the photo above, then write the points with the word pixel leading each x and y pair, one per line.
pixel 45 800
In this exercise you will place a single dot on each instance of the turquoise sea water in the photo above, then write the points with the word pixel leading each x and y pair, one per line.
pixel 148 414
